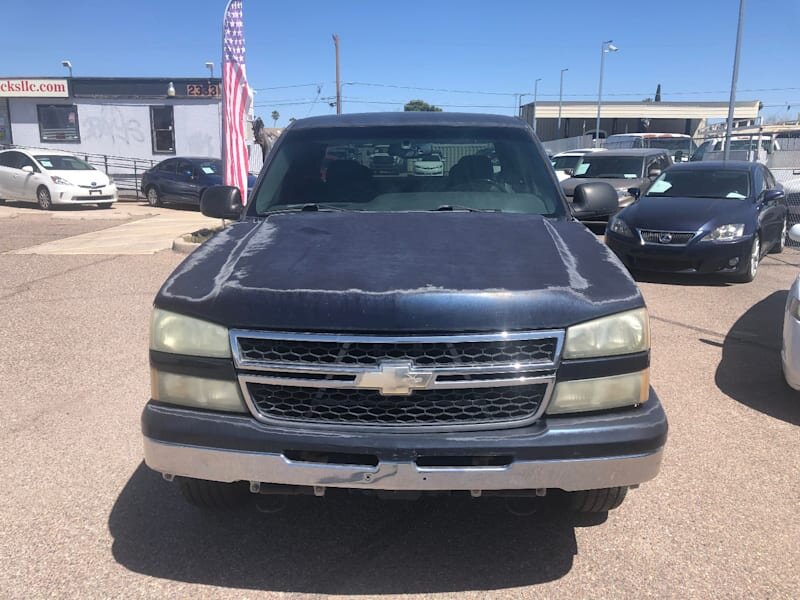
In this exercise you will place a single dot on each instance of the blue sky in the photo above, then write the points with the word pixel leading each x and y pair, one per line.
pixel 498 47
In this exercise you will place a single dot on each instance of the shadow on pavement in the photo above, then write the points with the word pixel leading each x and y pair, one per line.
pixel 342 544
pixel 679 279
pixel 750 370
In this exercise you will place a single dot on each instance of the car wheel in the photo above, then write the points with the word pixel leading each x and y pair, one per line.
pixel 597 501
pixel 153 197
pixel 43 198
pixel 214 494
pixel 104 205
pixel 778 248
pixel 752 263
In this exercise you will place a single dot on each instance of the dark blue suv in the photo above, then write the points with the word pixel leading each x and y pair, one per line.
pixel 183 180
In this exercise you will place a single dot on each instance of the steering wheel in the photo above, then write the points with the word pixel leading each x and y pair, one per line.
pixel 479 185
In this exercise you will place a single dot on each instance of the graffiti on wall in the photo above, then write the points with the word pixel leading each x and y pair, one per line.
pixel 112 124
pixel 200 143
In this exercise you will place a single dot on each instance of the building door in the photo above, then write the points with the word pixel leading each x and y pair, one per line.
pixel 5 123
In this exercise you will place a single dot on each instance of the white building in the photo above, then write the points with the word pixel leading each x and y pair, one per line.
pixel 139 118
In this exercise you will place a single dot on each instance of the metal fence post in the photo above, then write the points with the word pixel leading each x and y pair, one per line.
pixel 135 180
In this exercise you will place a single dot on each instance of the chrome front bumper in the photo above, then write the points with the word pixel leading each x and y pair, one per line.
pixel 260 467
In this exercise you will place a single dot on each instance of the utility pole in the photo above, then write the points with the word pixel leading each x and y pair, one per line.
pixel 732 102
pixel 535 98
pixel 560 99
pixel 338 76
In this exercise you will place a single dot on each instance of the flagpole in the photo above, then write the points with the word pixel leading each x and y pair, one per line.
pixel 224 120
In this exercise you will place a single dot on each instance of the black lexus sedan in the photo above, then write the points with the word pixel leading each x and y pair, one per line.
pixel 703 217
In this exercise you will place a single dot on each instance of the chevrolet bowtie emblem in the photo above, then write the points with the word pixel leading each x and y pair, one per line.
pixel 395 378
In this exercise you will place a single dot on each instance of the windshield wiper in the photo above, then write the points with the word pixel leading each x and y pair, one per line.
pixel 310 207
pixel 454 207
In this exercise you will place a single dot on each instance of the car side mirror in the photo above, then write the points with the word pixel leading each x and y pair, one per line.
pixel 221 202
pixel 773 195
pixel 635 192
pixel 596 198
pixel 654 173
pixel 794 233
pixel 27 169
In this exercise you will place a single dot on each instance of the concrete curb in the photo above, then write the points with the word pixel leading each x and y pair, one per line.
pixel 181 246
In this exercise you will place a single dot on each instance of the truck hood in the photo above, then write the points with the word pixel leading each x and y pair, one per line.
pixel 414 272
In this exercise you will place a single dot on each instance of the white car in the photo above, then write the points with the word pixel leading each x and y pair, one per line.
pixel 790 352
pixel 50 178
pixel 564 163
pixel 430 165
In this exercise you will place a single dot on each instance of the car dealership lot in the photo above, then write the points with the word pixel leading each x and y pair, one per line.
pixel 83 517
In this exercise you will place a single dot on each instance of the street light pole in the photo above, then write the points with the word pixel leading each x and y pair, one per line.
pixel 560 99
pixel 535 97
pixel 735 77
pixel 338 76
pixel 605 47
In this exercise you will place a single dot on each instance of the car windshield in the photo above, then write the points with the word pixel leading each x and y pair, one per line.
pixel 210 167
pixel 610 167
pixel 380 174
pixel 702 183
pixel 560 163
pixel 57 162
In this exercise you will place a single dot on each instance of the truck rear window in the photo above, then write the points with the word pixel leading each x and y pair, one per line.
pixel 373 169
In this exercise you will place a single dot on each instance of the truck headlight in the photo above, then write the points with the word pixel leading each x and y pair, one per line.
pixel 179 334
pixel 196 392
pixel 726 233
pixel 583 395
pixel 623 333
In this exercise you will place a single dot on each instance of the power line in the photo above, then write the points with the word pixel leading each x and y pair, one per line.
pixel 498 93
pixel 286 87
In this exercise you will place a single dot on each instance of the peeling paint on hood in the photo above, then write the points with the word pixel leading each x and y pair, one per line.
pixel 415 271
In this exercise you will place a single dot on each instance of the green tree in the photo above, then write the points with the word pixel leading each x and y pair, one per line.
pixel 275 116
pixel 420 106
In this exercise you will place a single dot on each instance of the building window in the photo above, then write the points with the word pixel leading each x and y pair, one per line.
pixel 162 125
pixel 58 123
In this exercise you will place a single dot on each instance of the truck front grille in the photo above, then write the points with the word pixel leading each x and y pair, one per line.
pixel 420 353
pixel 362 407
pixel 399 383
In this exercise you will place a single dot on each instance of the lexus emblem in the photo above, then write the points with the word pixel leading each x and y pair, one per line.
pixel 665 238
pixel 395 378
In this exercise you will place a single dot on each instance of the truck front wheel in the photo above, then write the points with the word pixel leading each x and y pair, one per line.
pixel 213 494
pixel 597 501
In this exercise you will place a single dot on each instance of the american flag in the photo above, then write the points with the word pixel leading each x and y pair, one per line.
pixel 236 98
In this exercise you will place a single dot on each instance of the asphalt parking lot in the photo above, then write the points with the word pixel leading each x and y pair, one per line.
pixel 83 517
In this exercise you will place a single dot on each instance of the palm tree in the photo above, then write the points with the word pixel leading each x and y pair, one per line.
pixel 275 116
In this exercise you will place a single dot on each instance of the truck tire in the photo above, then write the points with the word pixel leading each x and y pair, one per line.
pixel 597 501
pixel 213 494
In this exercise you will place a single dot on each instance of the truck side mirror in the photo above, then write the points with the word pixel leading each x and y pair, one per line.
pixel 596 198
pixel 222 202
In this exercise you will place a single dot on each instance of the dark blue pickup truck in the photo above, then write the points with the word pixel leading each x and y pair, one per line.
pixel 403 334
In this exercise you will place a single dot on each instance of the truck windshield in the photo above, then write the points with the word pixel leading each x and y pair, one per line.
pixel 483 168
